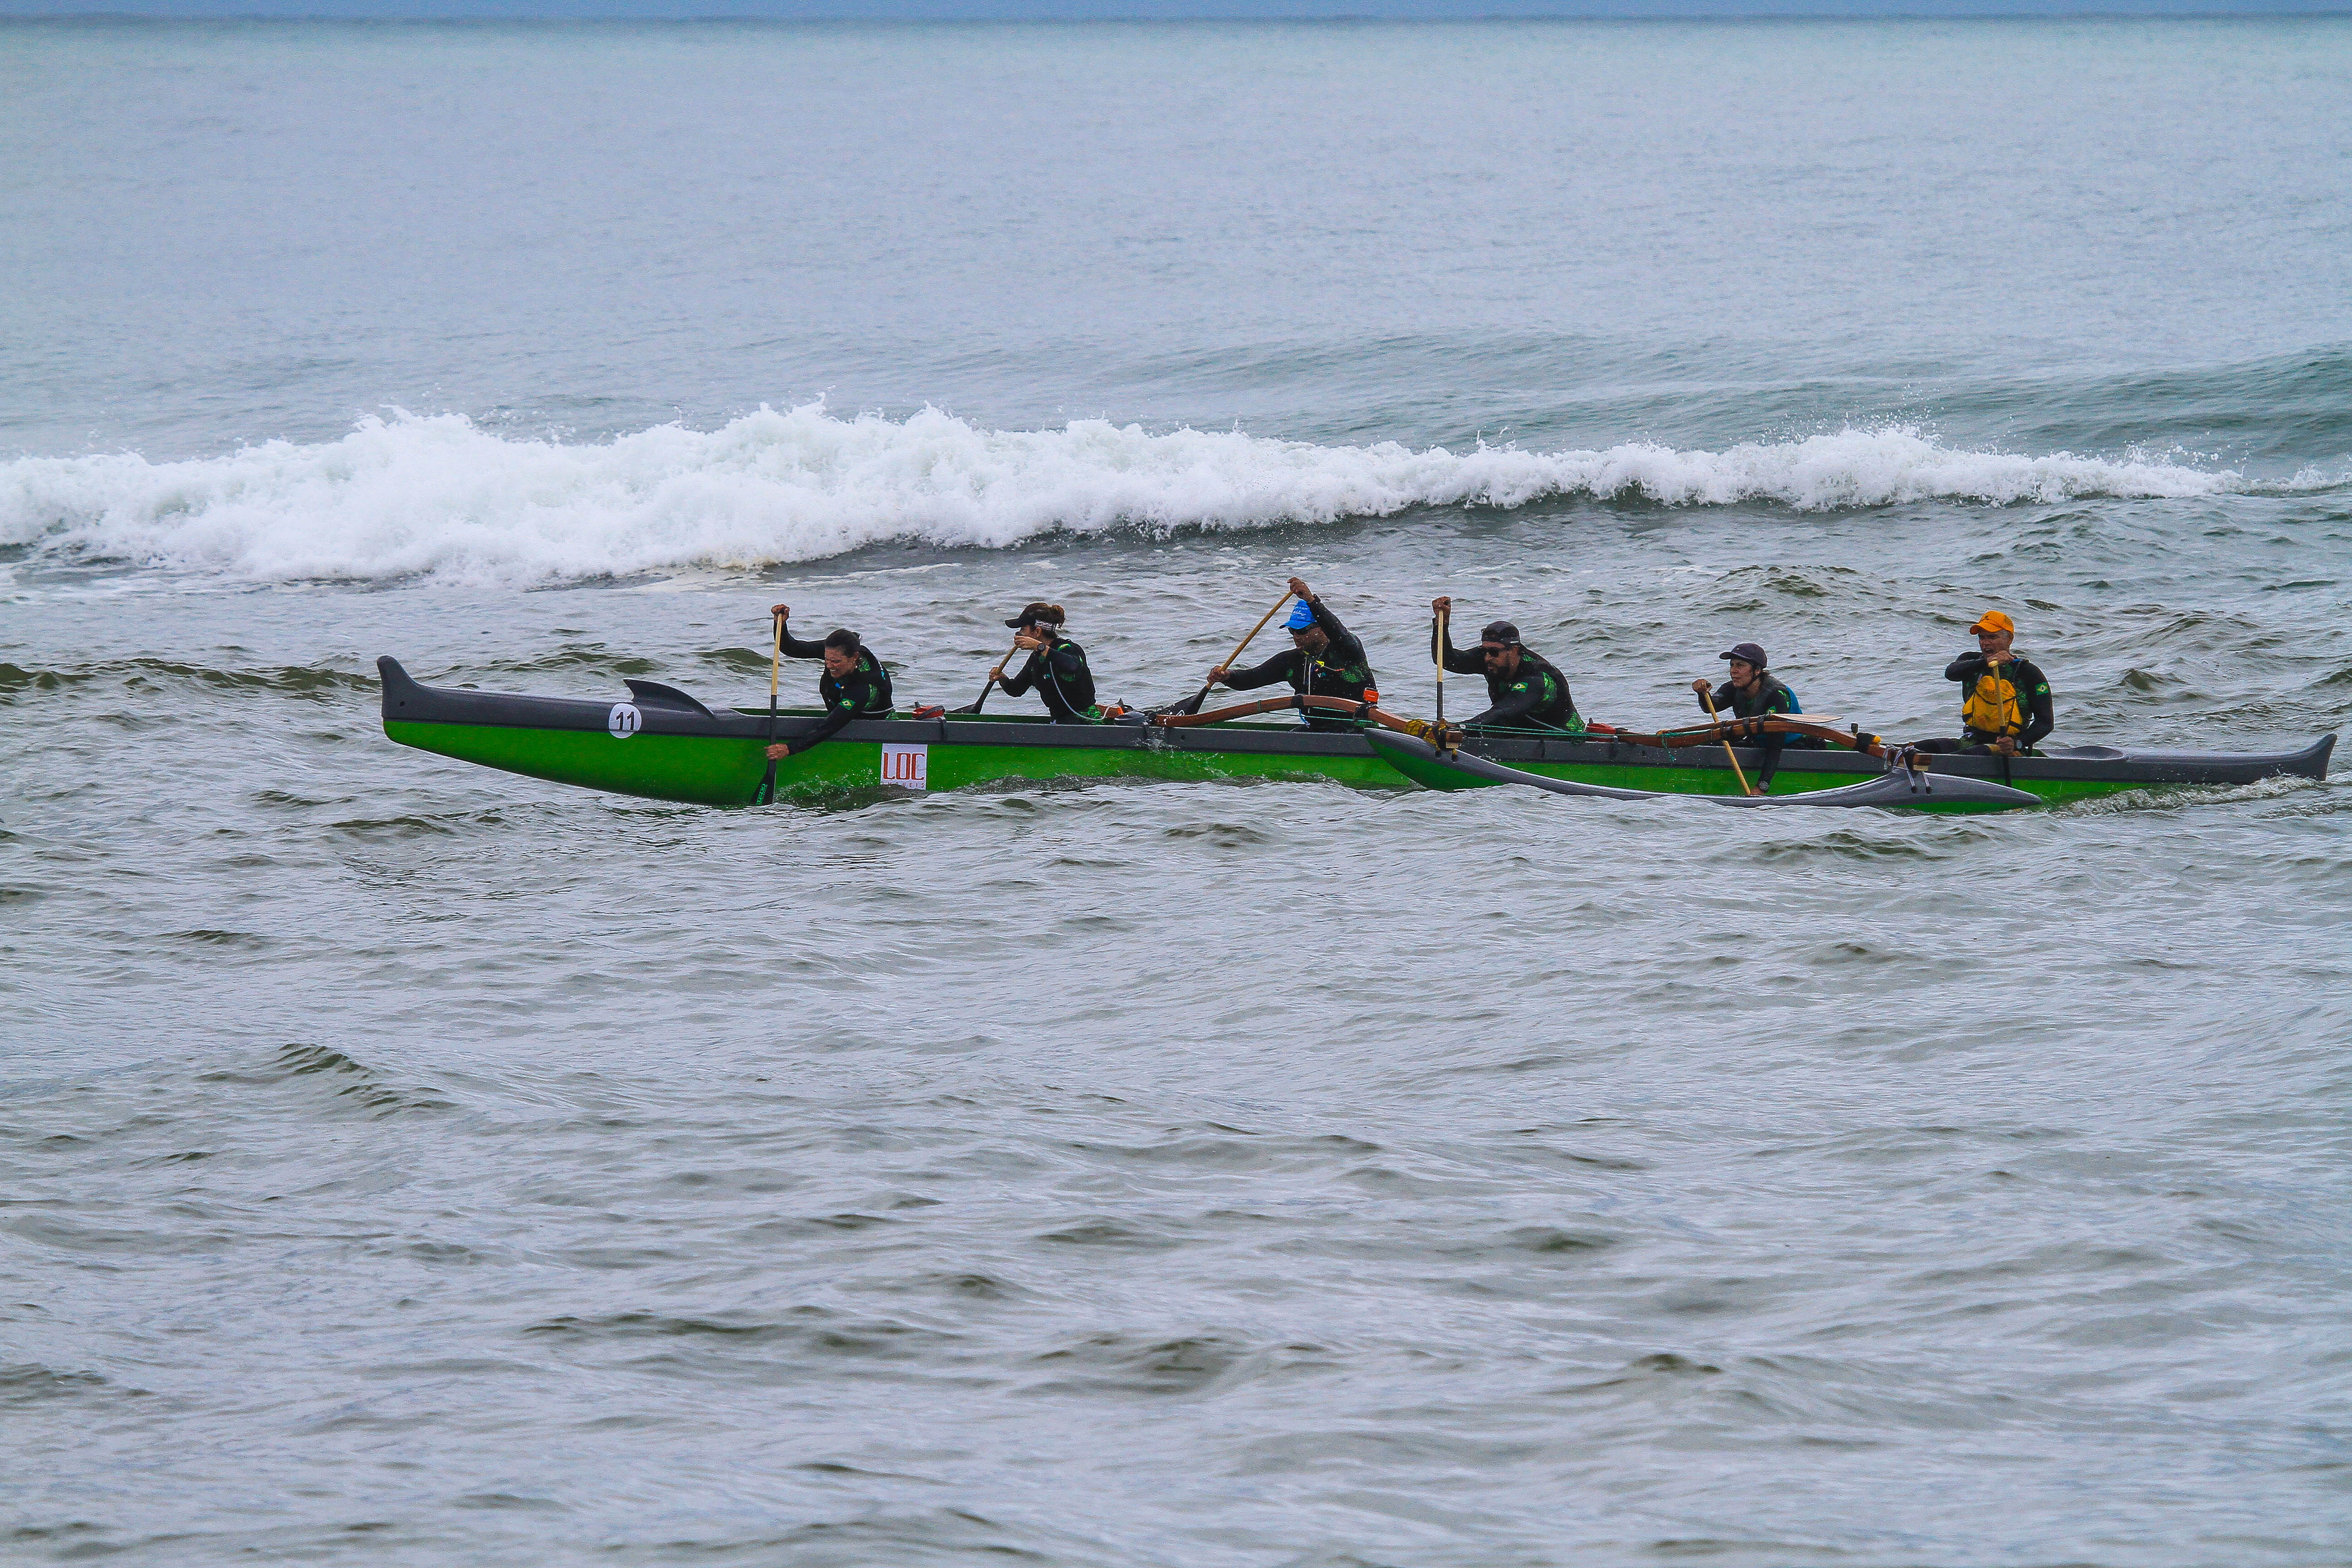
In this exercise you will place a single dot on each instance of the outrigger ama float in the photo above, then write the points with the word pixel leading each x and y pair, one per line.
pixel 663 744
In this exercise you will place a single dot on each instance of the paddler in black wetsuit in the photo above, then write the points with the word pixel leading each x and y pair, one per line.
pixel 1056 667
pixel 1523 690
pixel 1752 692
pixel 2004 699
pixel 1325 659
pixel 854 685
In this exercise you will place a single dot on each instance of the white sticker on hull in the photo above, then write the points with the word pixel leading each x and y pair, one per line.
pixel 625 720
pixel 908 767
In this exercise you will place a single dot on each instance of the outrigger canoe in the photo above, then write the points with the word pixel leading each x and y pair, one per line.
pixel 664 744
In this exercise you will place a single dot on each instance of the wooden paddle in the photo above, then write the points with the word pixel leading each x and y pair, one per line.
pixel 2012 712
pixel 1727 751
pixel 1192 704
pixel 775 670
pixel 1438 653
pixel 993 676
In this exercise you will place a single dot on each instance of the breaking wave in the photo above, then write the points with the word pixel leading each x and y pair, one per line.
pixel 437 496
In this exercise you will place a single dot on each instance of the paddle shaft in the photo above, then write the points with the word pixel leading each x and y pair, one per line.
pixel 2011 714
pixel 1439 654
pixel 992 681
pixel 1240 646
pixel 1727 751
pixel 775 673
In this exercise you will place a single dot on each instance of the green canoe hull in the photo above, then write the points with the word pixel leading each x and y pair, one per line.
pixel 715 769
pixel 663 744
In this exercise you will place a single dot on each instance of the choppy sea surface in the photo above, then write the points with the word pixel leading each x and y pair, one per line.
pixel 405 1162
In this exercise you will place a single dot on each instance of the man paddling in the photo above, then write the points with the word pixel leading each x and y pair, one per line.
pixel 1523 690
pixel 1325 659
pixel 1056 667
pixel 854 685
pixel 2004 699
pixel 1752 692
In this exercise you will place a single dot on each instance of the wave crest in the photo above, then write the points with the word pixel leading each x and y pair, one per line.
pixel 413 495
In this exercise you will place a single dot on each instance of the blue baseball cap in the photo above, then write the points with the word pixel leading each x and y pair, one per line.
pixel 1302 615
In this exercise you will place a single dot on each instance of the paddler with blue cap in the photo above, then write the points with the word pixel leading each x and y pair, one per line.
pixel 1325 659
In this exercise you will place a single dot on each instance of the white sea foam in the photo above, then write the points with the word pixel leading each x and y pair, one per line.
pixel 436 495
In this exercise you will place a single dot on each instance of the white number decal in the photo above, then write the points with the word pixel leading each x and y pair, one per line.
pixel 625 721
pixel 908 767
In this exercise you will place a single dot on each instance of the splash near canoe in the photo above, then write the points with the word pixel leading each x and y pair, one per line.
pixel 664 744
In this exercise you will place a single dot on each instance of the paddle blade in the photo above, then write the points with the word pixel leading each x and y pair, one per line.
pixel 981 699
pixel 1189 705
pixel 767 791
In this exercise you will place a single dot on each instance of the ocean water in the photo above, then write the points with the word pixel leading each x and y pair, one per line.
pixel 405 1162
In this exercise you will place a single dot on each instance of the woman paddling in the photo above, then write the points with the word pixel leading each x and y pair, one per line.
pixel 1056 667
pixel 1752 692
pixel 854 685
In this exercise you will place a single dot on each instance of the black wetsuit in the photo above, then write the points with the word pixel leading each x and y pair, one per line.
pixel 863 693
pixel 1340 670
pixel 1533 697
pixel 1768 696
pixel 1059 672
pixel 2026 716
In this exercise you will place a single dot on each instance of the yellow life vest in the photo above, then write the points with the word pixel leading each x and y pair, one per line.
pixel 1992 706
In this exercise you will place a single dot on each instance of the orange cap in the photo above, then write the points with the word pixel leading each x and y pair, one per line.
pixel 1993 621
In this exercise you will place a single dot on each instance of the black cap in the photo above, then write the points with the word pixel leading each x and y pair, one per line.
pixel 1746 653
pixel 1037 610
pixel 1502 632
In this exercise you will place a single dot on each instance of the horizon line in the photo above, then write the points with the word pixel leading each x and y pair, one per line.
pixel 1928 12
